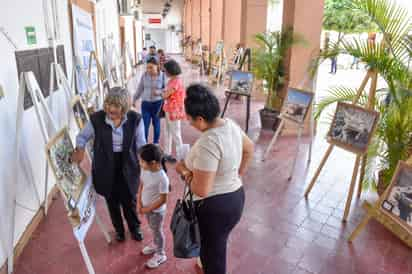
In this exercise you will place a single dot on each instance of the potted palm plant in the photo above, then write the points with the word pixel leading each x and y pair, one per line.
pixel 268 65
pixel 389 58
pixel 393 140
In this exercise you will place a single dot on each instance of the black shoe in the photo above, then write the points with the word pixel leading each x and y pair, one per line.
pixel 120 237
pixel 137 235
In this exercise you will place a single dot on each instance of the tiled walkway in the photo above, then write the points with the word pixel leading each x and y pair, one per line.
pixel 280 231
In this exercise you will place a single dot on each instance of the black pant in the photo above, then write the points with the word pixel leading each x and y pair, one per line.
pixel 334 64
pixel 217 216
pixel 122 198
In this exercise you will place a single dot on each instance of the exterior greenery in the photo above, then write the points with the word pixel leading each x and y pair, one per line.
pixel 340 17
pixel 390 59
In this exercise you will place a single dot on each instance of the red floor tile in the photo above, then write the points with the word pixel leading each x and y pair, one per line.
pixel 280 232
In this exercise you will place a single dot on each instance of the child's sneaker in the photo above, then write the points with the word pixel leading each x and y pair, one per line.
pixel 156 260
pixel 149 250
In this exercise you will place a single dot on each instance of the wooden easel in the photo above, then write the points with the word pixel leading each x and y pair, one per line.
pixel 217 62
pixel 299 139
pixel 374 211
pixel 44 118
pixel 245 64
pixel 204 60
pixel 101 78
pixel 373 76
pixel 246 58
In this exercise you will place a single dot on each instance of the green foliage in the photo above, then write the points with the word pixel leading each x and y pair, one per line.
pixel 268 61
pixel 395 134
pixel 338 17
pixel 389 58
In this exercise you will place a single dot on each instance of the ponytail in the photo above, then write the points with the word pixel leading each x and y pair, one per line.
pixel 163 162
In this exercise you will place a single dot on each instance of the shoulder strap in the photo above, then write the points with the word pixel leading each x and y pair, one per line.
pixel 163 80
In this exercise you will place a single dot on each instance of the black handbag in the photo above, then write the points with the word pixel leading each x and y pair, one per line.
pixel 185 228
pixel 161 113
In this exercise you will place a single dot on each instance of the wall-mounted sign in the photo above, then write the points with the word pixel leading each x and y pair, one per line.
pixel 155 20
pixel 31 35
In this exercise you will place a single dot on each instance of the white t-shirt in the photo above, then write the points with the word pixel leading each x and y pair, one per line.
pixel 154 184
pixel 219 150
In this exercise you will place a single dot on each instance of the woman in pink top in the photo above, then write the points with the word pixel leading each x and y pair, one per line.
pixel 174 97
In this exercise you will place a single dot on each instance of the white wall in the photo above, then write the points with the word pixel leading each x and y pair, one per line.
pixel 275 13
pixel 171 38
pixel 139 37
pixel 107 24
pixel 14 18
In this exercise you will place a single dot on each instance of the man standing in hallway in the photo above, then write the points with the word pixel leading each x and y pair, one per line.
pixel 118 134
pixel 152 54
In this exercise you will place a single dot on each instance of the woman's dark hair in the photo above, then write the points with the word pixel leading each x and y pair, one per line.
pixel 152 153
pixel 200 101
pixel 172 67
pixel 152 61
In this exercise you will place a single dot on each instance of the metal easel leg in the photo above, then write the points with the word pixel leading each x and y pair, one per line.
pixel 296 154
pixel 103 228
pixel 273 141
pixel 86 258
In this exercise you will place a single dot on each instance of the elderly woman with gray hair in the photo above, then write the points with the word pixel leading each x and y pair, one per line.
pixel 118 133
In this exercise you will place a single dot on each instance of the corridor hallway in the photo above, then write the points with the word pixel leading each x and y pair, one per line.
pixel 280 232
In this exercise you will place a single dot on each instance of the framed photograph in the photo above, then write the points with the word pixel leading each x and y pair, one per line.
pixel 352 127
pixel 214 72
pixel 297 105
pixel 80 112
pixel 69 176
pixel 241 82
pixel 397 200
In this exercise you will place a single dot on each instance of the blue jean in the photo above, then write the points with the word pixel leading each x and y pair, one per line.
pixel 149 114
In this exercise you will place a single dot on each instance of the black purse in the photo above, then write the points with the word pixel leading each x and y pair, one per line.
pixel 185 228
pixel 161 113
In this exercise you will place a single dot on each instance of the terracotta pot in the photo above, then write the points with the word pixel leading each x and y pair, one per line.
pixel 269 119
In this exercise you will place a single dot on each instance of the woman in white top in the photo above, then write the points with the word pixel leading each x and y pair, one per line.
pixel 213 168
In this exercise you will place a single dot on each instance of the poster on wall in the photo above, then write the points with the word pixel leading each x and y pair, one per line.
pixel 83 40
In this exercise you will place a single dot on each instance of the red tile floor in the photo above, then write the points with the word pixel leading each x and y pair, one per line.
pixel 280 232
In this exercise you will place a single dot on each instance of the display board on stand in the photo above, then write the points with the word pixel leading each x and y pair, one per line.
pixel 81 115
pixel 83 45
pixel 100 91
pixel 128 60
pixel 28 82
pixel 217 64
pixel 56 72
pixel 112 64
pixel 394 208
pixel 296 107
pixel 352 129
pixel 77 191
pixel 240 84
